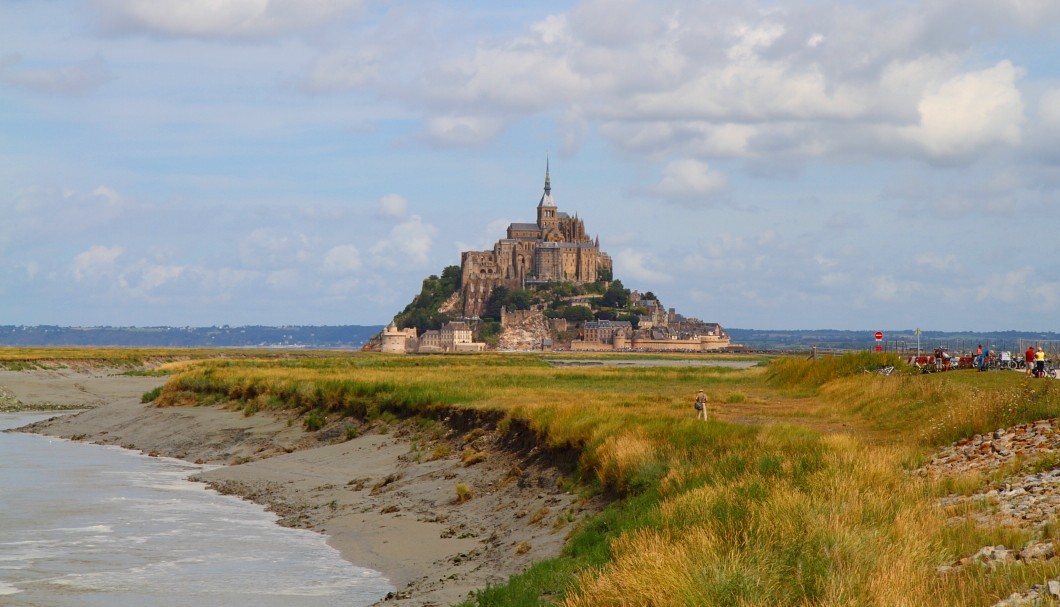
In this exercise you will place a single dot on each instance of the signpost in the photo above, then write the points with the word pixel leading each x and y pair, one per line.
pixel 879 339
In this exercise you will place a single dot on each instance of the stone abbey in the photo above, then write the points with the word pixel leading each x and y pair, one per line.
pixel 556 248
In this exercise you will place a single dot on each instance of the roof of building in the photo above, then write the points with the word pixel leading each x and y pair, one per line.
pixel 607 324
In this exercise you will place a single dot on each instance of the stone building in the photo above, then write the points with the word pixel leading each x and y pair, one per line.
pixel 399 341
pixel 604 331
pixel 452 337
pixel 456 334
pixel 555 248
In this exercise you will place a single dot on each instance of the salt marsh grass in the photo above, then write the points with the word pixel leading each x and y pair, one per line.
pixel 812 504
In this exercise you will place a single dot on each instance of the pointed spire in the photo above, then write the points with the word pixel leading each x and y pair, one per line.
pixel 546 198
pixel 548 182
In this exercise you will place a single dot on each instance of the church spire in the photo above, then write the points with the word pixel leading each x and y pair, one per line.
pixel 546 198
pixel 548 182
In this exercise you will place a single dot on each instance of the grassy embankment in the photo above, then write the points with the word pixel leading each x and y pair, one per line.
pixel 811 503
pixel 27 359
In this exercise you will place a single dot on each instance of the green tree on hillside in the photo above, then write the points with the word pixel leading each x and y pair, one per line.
pixel 616 296
pixel 577 314
pixel 508 299
pixel 422 312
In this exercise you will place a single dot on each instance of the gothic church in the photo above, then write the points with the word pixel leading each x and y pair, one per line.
pixel 555 249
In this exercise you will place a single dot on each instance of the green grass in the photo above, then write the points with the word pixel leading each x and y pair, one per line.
pixel 151 395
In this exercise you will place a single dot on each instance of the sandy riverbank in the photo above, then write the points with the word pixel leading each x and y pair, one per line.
pixel 387 499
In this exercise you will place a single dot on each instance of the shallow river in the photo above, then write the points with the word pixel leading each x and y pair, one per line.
pixel 85 525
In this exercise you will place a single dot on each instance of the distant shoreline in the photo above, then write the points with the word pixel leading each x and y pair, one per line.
pixel 353 337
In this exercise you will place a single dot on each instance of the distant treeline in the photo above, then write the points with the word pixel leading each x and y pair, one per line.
pixel 905 338
pixel 342 336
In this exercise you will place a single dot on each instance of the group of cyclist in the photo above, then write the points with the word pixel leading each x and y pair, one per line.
pixel 1034 359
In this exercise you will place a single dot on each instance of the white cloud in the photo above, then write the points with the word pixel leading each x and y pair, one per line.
pixel 393 205
pixel 486 238
pixel 97 261
pixel 887 288
pixel 1007 286
pixel 220 18
pixel 971 111
pixel 146 276
pixel 463 130
pixel 342 259
pixel 1049 110
pixel 409 241
pixel 689 179
pixel 637 265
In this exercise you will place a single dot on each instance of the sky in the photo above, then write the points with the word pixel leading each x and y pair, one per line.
pixel 785 164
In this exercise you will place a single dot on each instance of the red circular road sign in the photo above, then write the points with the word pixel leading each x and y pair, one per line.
pixel 879 335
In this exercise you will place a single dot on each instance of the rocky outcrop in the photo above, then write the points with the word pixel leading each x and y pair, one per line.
pixel 524 330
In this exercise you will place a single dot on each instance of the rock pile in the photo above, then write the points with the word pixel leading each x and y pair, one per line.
pixel 1025 501
pixel 1037 595
pixel 987 452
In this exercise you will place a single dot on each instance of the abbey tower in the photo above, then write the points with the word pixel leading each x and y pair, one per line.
pixel 554 249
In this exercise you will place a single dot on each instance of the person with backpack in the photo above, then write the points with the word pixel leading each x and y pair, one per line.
pixel 701 405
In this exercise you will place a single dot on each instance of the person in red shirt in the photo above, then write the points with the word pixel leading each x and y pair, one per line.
pixel 1028 357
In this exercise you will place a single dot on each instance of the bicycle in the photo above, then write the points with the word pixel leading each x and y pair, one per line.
pixel 1049 370
pixel 881 371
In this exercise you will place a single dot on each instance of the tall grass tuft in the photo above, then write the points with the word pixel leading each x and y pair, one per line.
pixel 802 375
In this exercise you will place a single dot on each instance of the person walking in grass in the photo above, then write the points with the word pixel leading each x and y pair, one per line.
pixel 701 405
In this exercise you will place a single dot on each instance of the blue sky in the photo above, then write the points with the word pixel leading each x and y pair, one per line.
pixel 771 164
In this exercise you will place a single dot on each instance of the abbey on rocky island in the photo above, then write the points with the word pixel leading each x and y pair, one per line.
pixel 556 248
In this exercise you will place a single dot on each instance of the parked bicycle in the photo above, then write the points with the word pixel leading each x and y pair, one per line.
pixel 1050 370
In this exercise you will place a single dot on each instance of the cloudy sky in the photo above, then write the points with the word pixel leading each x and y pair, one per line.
pixel 762 164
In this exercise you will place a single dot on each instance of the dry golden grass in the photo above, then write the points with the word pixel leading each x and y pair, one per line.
pixel 472 456
pixel 463 492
